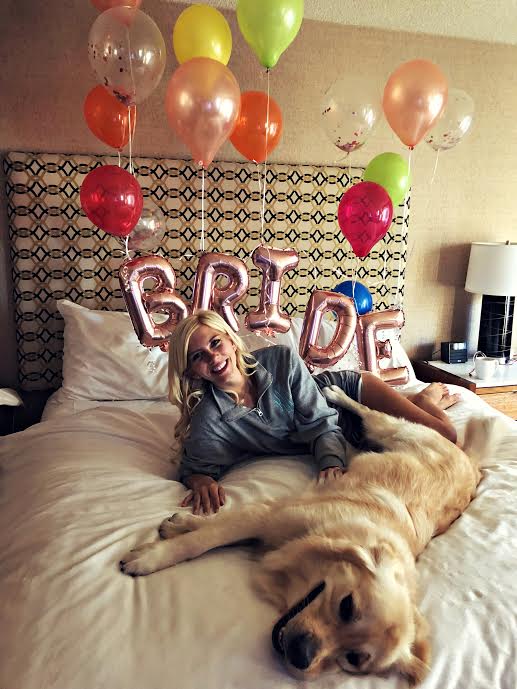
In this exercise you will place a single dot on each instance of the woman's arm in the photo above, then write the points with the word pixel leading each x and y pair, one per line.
pixel 316 422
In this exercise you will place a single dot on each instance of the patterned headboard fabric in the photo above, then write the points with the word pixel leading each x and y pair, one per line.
pixel 57 254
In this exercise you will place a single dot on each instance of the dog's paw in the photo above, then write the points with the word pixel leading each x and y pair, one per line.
pixel 334 394
pixel 175 525
pixel 140 561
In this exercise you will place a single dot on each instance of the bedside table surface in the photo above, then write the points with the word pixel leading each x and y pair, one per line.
pixel 506 374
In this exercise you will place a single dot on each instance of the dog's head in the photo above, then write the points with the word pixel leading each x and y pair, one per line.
pixel 348 606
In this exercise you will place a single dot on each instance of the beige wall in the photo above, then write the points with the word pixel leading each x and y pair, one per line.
pixel 45 76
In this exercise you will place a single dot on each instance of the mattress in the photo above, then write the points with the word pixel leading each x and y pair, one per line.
pixel 94 479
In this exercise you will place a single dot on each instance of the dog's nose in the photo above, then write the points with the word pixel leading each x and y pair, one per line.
pixel 301 650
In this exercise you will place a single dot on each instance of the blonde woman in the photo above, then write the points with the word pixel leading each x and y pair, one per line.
pixel 235 405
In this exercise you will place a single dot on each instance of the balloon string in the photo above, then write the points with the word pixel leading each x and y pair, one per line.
pixel 202 246
pixel 398 301
pixel 126 246
pixel 265 164
pixel 119 159
pixel 435 166
pixel 130 141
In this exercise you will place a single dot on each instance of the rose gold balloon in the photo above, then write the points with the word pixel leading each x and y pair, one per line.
pixel 202 103
pixel 414 97
pixel 142 304
pixel 320 302
pixel 372 350
pixel 208 295
pixel 273 264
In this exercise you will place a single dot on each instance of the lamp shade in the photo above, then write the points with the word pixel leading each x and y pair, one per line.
pixel 492 269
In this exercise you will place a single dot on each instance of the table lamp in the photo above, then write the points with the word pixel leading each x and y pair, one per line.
pixel 492 272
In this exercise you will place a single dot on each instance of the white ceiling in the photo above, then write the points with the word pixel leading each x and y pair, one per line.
pixel 494 21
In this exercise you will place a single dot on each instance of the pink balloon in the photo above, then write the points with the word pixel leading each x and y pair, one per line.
pixel 364 214
pixel 208 295
pixel 273 263
pixel 202 103
pixel 142 304
pixel 103 5
pixel 414 97
pixel 320 302
pixel 112 199
pixel 372 350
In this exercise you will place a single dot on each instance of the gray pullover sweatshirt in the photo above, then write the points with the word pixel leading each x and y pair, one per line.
pixel 291 417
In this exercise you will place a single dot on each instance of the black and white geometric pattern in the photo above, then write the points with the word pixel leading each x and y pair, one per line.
pixel 56 253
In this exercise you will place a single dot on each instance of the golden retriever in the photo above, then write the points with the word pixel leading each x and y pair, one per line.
pixel 340 564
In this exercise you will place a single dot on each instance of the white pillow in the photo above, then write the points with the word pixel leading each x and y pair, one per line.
pixel 103 359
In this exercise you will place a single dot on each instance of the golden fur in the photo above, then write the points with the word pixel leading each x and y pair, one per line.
pixel 359 535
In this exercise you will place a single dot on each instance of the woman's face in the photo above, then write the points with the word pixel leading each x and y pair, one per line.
pixel 212 357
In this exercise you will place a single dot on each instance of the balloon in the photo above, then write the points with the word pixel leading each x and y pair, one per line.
pixel 454 122
pixel 208 295
pixel 349 110
pixel 414 96
pixel 150 229
pixel 364 214
pixel 254 122
pixel 141 304
pixel 103 5
pixel 108 119
pixel 112 199
pixel 127 53
pixel 269 26
pixel 372 350
pixel 202 103
pixel 391 171
pixel 273 263
pixel 358 292
pixel 202 31
pixel 320 302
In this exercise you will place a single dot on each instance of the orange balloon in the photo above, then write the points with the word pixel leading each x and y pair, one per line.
pixel 414 98
pixel 249 134
pixel 107 118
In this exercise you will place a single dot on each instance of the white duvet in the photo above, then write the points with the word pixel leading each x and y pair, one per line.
pixel 92 481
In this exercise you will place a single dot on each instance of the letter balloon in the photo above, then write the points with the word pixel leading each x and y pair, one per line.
pixel 209 295
pixel 372 350
pixel 320 302
pixel 141 303
pixel 273 263
pixel 414 96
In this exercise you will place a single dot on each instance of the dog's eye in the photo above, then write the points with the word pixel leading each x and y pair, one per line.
pixel 346 608
pixel 356 658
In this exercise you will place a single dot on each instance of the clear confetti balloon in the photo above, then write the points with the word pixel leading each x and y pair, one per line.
pixel 455 121
pixel 149 231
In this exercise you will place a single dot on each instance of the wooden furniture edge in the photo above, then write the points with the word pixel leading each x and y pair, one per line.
pixel 432 374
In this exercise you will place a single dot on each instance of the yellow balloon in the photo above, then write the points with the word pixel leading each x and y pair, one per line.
pixel 202 31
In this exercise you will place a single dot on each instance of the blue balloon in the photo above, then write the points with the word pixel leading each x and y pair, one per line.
pixel 360 294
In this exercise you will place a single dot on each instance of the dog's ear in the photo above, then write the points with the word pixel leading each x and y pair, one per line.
pixel 415 666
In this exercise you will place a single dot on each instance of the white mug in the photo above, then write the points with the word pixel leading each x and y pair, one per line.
pixel 485 367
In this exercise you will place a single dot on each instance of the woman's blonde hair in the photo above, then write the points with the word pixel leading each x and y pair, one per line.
pixel 184 391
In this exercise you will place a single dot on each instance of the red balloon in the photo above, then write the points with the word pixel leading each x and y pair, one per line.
pixel 112 199
pixel 365 213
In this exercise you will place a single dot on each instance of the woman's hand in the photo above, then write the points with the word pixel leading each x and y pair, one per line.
pixel 206 494
pixel 330 474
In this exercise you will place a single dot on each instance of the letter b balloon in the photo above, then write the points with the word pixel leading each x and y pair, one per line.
pixel 269 26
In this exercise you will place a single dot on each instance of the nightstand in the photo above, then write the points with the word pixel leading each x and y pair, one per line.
pixel 20 410
pixel 500 392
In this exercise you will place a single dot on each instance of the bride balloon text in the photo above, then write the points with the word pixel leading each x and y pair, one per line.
pixel 144 302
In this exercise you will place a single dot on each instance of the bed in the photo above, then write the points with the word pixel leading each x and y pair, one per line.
pixel 95 478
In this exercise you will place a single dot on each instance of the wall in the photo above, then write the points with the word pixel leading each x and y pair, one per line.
pixel 45 76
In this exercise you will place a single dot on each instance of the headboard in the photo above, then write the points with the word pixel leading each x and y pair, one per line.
pixel 57 254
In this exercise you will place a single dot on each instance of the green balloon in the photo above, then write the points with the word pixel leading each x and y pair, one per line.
pixel 269 26
pixel 391 171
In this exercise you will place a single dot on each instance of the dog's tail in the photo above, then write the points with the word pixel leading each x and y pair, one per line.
pixel 481 438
